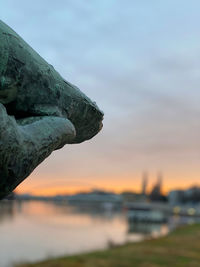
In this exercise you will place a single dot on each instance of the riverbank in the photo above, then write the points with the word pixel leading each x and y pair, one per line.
pixel 179 248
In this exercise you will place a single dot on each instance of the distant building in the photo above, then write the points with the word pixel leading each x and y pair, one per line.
pixel 176 197
pixel 191 195
pixel 156 193
pixel 96 196
pixel 144 183
pixel 145 214
pixel 11 196
pixel 129 196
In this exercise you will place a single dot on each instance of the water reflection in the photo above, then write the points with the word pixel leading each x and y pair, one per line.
pixel 6 211
pixel 146 228
pixel 35 230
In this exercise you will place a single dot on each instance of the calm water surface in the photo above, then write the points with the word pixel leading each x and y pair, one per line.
pixel 35 230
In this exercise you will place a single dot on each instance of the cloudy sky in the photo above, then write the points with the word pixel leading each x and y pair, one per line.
pixel 140 61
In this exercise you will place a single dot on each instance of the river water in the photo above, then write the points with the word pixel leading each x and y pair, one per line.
pixel 36 230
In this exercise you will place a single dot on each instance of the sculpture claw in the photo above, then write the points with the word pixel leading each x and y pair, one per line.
pixel 23 148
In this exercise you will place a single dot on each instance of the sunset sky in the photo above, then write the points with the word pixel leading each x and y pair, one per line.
pixel 140 61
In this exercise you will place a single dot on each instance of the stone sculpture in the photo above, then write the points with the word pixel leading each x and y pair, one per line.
pixel 39 111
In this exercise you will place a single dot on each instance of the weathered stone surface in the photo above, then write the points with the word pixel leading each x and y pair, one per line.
pixel 39 111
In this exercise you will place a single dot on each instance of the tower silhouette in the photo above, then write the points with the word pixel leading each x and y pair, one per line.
pixel 156 193
pixel 159 182
pixel 144 183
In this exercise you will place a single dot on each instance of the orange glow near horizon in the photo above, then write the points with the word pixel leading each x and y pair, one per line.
pixel 118 185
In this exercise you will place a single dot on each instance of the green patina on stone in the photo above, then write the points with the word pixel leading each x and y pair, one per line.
pixel 39 111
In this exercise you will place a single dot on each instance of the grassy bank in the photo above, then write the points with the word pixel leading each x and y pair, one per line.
pixel 180 248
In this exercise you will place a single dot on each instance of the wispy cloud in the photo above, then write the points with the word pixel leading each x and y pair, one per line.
pixel 140 62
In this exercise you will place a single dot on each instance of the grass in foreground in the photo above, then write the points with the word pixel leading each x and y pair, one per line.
pixel 180 248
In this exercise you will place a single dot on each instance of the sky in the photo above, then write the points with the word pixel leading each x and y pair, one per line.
pixel 140 61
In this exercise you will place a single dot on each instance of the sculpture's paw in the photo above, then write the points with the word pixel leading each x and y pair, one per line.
pixel 22 148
